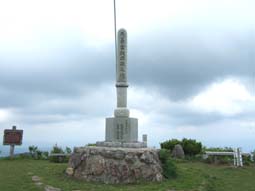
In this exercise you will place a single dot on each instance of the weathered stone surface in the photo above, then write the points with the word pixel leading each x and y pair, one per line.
pixel 121 129
pixel 178 152
pixel 51 188
pixel 69 171
pixel 121 144
pixel 115 165
pixel 36 178
pixel 38 183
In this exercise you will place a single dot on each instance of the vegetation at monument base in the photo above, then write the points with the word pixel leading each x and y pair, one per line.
pixel 194 150
pixel 190 146
pixel 15 175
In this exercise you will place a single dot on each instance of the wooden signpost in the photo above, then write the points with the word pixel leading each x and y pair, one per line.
pixel 12 137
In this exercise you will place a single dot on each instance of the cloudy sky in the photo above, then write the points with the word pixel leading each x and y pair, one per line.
pixel 191 69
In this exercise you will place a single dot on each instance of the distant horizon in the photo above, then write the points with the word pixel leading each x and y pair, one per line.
pixel 24 148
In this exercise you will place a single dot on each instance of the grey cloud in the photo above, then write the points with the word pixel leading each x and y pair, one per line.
pixel 178 64
pixel 182 65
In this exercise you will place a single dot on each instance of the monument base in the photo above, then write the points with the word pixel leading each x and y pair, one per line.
pixel 114 165
pixel 121 129
pixel 121 144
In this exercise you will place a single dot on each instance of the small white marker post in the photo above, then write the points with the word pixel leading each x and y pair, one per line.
pixel 238 159
pixel 145 140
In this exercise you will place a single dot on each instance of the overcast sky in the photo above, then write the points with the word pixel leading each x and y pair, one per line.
pixel 191 70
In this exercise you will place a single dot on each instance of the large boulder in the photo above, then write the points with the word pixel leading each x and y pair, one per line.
pixel 115 165
pixel 178 152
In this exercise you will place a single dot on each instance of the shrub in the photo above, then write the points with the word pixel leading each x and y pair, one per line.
pixel 253 157
pixel 219 149
pixel 164 155
pixel 169 169
pixel 190 146
pixel 37 154
pixel 168 166
pixel 32 150
pixel 68 150
pixel 45 155
pixel 247 160
pixel 91 144
pixel 169 145
pixel 219 159
pixel 58 150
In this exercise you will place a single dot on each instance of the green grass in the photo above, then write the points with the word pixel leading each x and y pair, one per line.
pixel 192 176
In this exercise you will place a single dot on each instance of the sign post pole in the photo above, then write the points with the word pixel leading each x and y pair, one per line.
pixel 12 145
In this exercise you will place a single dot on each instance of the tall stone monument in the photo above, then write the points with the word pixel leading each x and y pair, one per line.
pixel 121 130
pixel 121 158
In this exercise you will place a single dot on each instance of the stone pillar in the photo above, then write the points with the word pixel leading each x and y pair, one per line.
pixel 121 75
pixel 121 130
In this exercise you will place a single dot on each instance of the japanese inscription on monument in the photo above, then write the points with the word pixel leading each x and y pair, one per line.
pixel 122 56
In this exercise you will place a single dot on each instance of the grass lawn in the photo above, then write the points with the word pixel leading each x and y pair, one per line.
pixel 15 175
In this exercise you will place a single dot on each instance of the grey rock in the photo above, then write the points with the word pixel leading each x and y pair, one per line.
pixel 51 188
pixel 147 157
pixel 69 171
pixel 38 183
pixel 116 165
pixel 75 160
pixel 131 157
pixel 36 178
pixel 178 152
pixel 118 154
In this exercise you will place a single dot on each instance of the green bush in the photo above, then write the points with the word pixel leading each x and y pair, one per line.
pixel 37 154
pixel 169 169
pixel 219 160
pixel 68 150
pixel 91 144
pixel 32 150
pixel 164 154
pixel 218 149
pixel 58 150
pixel 190 146
pixel 247 160
pixel 168 165
pixel 169 145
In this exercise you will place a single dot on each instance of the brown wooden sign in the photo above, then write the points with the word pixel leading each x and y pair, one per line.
pixel 13 137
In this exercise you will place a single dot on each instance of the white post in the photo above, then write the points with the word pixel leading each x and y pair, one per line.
pixel 251 156
pixel 145 140
pixel 235 157
pixel 240 157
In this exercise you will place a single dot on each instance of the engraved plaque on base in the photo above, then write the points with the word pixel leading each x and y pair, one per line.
pixel 121 129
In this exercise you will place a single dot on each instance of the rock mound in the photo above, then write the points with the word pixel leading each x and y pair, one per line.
pixel 115 165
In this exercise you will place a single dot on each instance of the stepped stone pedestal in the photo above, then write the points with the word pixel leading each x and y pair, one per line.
pixel 121 132
pixel 115 165
pixel 121 158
